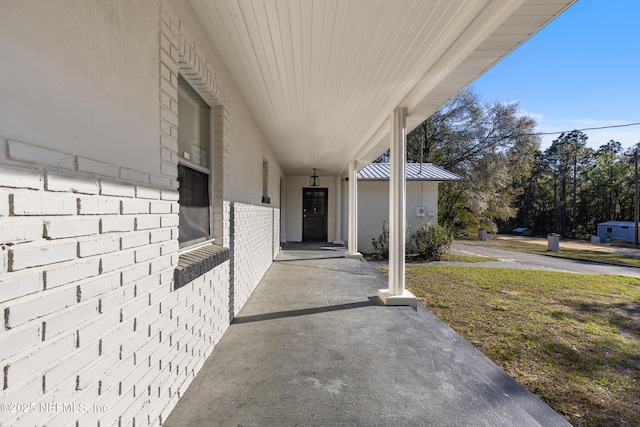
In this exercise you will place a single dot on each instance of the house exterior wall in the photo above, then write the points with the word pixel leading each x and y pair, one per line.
pixel 89 211
pixel 373 208
pixel 73 44
pixel 293 208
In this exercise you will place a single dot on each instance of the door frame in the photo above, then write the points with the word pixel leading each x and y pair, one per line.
pixel 325 190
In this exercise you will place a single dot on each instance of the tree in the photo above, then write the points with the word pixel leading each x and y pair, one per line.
pixel 492 146
pixel 563 157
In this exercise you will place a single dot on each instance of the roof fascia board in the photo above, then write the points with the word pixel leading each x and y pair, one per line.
pixel 486 23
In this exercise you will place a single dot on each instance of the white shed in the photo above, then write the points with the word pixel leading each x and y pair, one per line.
pixel 373 198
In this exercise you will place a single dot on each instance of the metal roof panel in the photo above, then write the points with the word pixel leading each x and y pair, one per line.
pixel 414 172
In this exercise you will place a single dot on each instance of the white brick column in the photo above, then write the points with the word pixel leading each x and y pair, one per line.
pixel 396 294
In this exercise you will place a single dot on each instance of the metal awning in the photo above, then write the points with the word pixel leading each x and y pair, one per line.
pixel 413 172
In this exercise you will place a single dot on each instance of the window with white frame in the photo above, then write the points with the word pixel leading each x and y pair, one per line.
pixel 194 170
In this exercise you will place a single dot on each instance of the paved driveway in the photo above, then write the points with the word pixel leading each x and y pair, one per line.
pixel 513 259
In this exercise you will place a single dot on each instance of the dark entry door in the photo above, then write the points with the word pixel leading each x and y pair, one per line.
pixel 314 214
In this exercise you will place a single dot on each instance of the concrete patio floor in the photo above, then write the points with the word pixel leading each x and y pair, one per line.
pixel 314 347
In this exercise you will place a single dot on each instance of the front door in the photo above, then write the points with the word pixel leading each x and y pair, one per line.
pixel 314 214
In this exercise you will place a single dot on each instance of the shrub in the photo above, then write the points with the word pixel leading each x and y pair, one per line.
pixel 381 243
pixel 432 241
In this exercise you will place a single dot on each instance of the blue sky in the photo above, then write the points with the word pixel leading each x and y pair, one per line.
pixel 580 71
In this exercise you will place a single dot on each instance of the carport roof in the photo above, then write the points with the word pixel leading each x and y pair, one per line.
pixel 322 77
pixel 413 172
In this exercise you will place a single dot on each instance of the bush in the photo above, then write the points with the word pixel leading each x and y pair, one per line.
pixel 381 243
pixel 432 241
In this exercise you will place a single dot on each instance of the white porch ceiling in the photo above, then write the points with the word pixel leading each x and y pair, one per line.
pixel 322 77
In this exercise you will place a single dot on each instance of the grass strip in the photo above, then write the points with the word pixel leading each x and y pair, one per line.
pixel 449 257
pixel 580 254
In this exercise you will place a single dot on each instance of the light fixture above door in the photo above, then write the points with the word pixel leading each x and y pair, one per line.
pixel 314 180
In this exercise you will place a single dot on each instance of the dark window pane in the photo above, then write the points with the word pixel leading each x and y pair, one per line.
pixel 194 204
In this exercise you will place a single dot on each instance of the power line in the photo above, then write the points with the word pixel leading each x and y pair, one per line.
pixel 581 130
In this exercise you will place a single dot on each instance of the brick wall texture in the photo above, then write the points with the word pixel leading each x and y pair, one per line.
pixel 87 253
pixel 253 252
pixel 86 294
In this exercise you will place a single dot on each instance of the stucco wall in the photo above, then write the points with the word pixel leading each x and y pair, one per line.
pixel 373 208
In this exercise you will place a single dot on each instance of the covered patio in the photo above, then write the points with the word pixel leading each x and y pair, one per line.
pixel 334 84
pixel 314 346
pixel 153 157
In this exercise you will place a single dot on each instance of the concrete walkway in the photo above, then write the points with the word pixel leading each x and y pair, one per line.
pixel 313 347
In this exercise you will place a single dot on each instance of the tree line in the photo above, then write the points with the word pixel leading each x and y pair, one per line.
pixel 508 182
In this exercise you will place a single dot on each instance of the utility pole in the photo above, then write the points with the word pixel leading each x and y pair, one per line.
pixel 573 213
pixel 635 202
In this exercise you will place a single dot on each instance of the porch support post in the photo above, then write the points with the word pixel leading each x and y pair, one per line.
pixel 396 294
pixel 352 249
pixel 338 240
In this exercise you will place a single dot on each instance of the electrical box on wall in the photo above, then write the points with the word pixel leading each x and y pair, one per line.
pixel 421 211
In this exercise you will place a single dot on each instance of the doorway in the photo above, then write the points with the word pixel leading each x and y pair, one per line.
pixel 314 214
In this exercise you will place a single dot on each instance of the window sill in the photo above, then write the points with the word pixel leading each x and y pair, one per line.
pixel 195 263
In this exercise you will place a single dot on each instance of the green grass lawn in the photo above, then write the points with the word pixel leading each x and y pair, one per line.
pixel 565 252
pixel 449 257
pixel 573 340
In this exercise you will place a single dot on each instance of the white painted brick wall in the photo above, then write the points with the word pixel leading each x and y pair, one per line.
pixel 4 259
pixel 66 320
pixel 4 202
pixel 19 340
pixel 96 167
pixel 117 260
pixel 133 273
pixel 147 222
pixel 36 254
pixel 92 246
pixel 20 230
pixel 21 178
pixel 134 206
pixel 20 284
pixel 117 189
pixel 133 240
pixel 37 203
pixel 160 207
pixel 253 249
pixel 75 288
pixel 146 253
pixel 20 311
pixel 71 272
pixel 98 206
pixel 59 228
pixel 117 223
pixel 86 286
pixel 39 358
pixel 147 192
pixel 100 285
pixel 30 153
pixel 64 183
